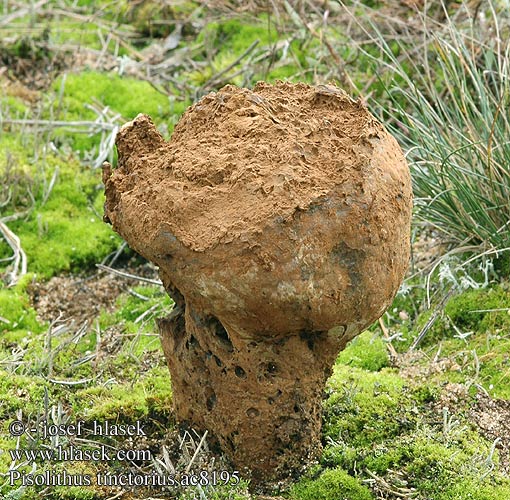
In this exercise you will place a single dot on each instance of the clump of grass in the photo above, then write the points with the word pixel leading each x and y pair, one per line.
pixel 448 99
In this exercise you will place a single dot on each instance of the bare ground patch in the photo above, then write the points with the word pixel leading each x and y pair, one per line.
pixel 492 418
pixel 81 298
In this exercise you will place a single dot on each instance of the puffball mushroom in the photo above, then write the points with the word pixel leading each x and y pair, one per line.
pixel 279 218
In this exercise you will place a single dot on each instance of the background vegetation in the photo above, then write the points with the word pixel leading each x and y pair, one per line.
pixel 418 407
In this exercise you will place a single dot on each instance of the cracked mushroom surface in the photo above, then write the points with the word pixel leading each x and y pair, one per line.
pixel 279 218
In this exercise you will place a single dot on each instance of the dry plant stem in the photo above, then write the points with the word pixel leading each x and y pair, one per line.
pixel 435 315
pixel 393 352
pixel 215 79
pixel 59 123
pixel 8 19
pixel 128 275
pixel 20 258
pixel 110 27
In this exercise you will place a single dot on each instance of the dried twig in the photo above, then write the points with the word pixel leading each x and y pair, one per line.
pixel 188 468
pixel 128 275
pixel 384 330
pixel 397 491
pixel 216 79
pixel 6 20
pixel 70 382
pixel 431 321
pixel 20 258
pixel 60 123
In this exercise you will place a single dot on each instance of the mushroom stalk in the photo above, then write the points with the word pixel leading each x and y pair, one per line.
pixel 279 219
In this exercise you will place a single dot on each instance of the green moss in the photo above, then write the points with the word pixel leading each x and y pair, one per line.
pixel 426 393
pixel 366 351
pixel 332 484
pixel 136 316
pixel 15 106
pixel 366 407
pixel 483 359
pixel 13 152
pixel 473 333
pixel 472 309
pixel 451 468
pixel 73 493
pixel 64 233
pixel 17 181
pixel 19 392
pixel 123 95
pixel 6 444
pixel 63 229
pixel 236 35
pixel 223 43
pixel 17 494
pixel 376 422
pixel 130 307
pixel 470 489
pixel 286 72
pixel 230 491
pixel 78 34
pixel 150 395
pixel 17 315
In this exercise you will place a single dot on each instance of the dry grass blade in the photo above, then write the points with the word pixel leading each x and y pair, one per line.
pixel 200 445
pixel 19 258
pixel 128 275
pixel 50 124
pixel 8 19
pixel 216 79
pixel 387 339
pixel 435 315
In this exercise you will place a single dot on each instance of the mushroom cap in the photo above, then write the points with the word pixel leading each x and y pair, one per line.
pixel 277 210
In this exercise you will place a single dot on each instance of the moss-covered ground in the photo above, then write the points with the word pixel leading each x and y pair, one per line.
pixel 400 416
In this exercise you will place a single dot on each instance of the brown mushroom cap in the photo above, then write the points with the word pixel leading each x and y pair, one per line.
pixel 278 210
